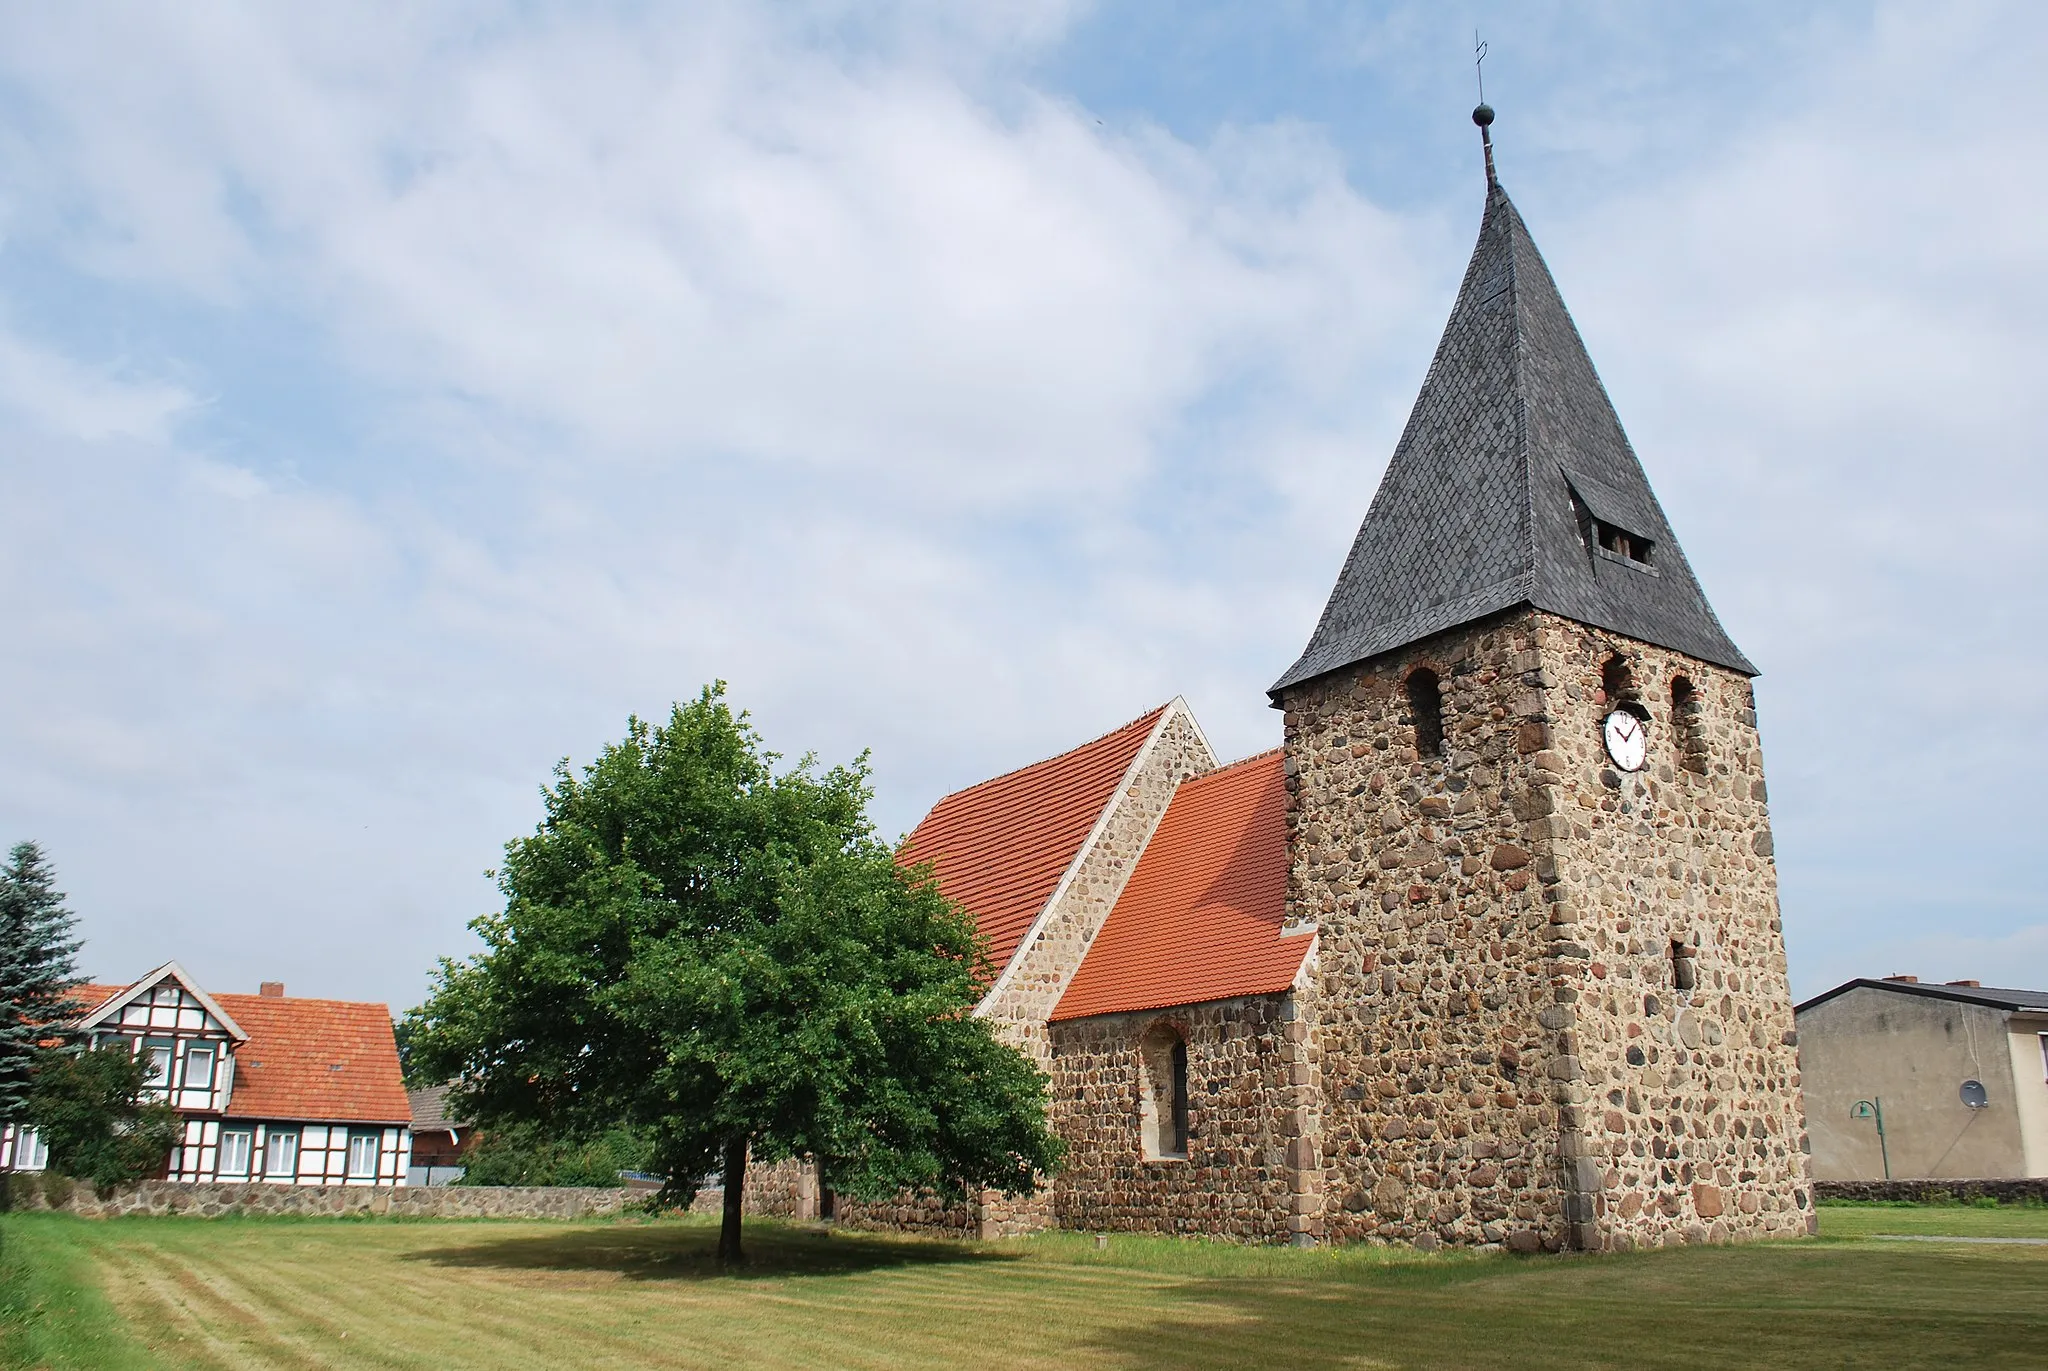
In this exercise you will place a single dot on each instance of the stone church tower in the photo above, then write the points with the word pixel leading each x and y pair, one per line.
pixel 1527 823
pixel 1488 952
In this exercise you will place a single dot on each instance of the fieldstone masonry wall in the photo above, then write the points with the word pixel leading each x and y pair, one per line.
pixel 1682 1104
pixel 790 1189
pixel 1238 1179
pixel 1439 1118
pixel 1501 1055
pixel 1042 968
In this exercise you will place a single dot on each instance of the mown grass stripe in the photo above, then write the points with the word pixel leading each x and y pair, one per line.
pixel 628 1295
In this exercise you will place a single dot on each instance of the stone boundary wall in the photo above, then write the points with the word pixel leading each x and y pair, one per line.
pixel 217 1199
pixel 2005 1191
pixel 913 1212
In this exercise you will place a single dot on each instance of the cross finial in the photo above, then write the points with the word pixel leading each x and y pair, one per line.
pixel 1483 114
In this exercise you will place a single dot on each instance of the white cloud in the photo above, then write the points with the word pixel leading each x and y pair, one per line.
pixel 66 397
pixel 833 356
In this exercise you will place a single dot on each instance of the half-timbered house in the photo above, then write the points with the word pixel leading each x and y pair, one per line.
pixel 267 1087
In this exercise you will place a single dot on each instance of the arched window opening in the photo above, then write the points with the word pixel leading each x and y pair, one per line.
pixel 1617 682
pixel 1163 1095
pixel 1688 722
pixel 1426 707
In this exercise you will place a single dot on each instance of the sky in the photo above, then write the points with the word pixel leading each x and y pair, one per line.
pixel 394 399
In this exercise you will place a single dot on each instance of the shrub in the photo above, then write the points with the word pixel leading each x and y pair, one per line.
pixel 528 1154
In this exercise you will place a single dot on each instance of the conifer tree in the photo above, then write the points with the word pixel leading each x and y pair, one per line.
pixel 37 969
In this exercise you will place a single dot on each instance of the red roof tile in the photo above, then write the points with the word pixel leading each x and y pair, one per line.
pixel 1001 847
pixel 1200 917
pixel 91 997
pixel 287 1068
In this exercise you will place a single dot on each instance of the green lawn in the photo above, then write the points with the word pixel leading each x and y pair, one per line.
pixel 443 1294
pixel 1869 1220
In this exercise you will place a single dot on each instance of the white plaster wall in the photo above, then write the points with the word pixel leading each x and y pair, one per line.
pixel 2030 1090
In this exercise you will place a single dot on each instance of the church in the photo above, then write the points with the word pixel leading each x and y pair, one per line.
pixel 1488 951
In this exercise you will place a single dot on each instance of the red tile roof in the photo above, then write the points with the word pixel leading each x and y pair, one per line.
pixel 1001 847
pixel 1200 917
pixel 287 1068
pixel 91 997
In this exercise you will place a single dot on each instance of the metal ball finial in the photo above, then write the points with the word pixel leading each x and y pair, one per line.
pixel 1483 115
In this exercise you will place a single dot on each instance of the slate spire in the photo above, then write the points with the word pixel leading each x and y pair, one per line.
pixel 1513 484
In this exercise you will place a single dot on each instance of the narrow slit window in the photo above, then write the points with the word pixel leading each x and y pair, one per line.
pixel 1688 722
pixel 1426 706
pixel 1180 1097
pixel 1163 1094
pixel 1682 975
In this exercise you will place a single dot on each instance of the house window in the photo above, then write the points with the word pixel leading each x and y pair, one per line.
pixel 1426 707
pixel 198 1068
pixel 2044 1055
pixel 281 1155
pixel 362 1154
pixel 156 1064
pixel 234 1152
pixel 1163 1094
pixel 31 1153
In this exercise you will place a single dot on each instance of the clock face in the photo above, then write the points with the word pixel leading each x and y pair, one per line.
pixel 1628 739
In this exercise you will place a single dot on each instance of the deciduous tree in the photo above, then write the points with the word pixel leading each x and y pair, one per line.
pixel 89 1104
pixel 698 943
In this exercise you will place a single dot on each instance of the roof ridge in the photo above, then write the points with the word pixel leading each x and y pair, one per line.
pixel 384 1005
pixel 1151 715
pixel 1985 996
pixel 1514 292
pixel 1159 721
pixel 1245 760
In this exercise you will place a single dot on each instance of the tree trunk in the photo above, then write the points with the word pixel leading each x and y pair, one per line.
pixel 735 1188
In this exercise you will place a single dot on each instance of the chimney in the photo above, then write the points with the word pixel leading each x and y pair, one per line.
pixel 273 989
pixel 1973 985
pixel 1904 980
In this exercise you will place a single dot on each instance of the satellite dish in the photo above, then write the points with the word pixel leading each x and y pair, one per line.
pixel 1973 1094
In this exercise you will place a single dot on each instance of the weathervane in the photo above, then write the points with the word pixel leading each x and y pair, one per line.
pixel 1483 115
